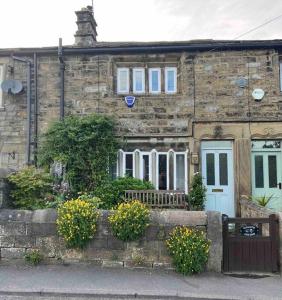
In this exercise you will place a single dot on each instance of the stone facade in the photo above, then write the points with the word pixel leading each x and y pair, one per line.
pixel 21 231
pixel 209 103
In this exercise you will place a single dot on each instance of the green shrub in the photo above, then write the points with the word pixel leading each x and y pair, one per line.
pixel 189 250
pixel 111 193
pixel 86 146
pixel 130 220
pixel 197 193
pixel 77 222
pixel 34 257
pixel 31 188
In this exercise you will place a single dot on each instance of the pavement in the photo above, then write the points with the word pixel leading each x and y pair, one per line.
pixel 93 282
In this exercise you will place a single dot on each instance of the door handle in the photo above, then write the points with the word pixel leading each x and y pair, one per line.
pixel 280 185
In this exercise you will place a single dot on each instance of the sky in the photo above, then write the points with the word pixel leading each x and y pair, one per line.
pixel 40 23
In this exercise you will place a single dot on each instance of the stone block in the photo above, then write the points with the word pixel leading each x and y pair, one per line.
pixel 50 246
pixel 12 253
pixel 12 228
pixel 152 232
pixel 214 234
pixel 15 215
pixel 162 266
pixel 44 216
pixel 115 244
pixel 138 264
pixel 112 264
pixel 179 217
pixel 42 229
pixel 7 241
pixel 24 241
pixel 98 243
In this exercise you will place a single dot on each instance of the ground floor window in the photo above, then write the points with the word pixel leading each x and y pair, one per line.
pixel 167 170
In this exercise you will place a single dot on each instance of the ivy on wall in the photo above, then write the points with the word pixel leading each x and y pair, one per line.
pixel 85 145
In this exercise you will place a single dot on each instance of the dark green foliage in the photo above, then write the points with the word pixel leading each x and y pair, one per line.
pixel 33 258
pixel 85 145
pixel 197 194
pixel 111 193
pixel 31 188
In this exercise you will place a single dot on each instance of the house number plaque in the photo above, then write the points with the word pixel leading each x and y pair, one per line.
pixel 249 230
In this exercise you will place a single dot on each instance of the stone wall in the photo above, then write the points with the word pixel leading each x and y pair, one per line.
pixel 21 231
pixel 250 209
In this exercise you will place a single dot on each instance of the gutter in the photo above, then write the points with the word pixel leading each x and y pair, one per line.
pixel 148 49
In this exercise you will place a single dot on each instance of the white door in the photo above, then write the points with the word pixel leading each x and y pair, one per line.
pixel 217 172
pixel 267 177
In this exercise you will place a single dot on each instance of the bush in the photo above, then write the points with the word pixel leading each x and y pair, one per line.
pixel 76 222
pixel 30 188
pixel 197 194
pixel 189 250
pixel 130 220
pixel 111 193
pixel 34 257
pixel 86 146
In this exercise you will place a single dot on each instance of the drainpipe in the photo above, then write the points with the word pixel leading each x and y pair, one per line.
pixel 35 109
pixel 62 80
pixel 28 93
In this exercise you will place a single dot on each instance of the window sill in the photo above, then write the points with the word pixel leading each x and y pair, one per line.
pixel 2 108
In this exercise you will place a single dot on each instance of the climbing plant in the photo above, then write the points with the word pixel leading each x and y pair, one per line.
pixel 86 146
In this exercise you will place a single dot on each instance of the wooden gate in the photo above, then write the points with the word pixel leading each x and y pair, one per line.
pixel 250 244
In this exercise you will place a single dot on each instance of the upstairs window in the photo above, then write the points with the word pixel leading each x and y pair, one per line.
pixel 1 79
pixel 123 81
pixel 280 76
pixel 155 80
pixel 138 80
pixel 170 80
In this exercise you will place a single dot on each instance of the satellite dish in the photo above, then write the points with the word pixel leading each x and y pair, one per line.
pixel 12 86
pixel 258 94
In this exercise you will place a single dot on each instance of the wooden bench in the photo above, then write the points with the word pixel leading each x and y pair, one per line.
pixel 159 199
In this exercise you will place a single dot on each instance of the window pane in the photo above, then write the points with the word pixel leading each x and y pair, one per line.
pixel 129 165
pixel 162 172
pixel 138 81
pixel 259 182
pixel 155 81
pixel 170 80
pixel 146 167
pixel 123 80
pixel 180 172
pixel 113 171
pixel 223 169
pixel 210 169
pixel 272 171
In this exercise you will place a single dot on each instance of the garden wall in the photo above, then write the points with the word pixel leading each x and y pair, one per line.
pixel 249 209
pixel 21 231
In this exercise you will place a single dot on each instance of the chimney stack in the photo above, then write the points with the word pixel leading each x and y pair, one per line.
pixel 86 24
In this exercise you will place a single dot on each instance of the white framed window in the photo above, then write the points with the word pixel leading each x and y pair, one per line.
pixel 166 170
pixel 1 79
pixel 170 80
pixel 138 80
pixel 155 80
pixel 280 75
pixel 123 80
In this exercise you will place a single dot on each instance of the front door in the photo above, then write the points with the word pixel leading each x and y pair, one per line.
pixel 217 172
pixel 267 177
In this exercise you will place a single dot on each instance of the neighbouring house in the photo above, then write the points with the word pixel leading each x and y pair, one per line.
pixel 204 105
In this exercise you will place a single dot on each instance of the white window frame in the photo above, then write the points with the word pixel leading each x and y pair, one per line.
pixel 185 170
pixel 119 90
pixel 167 171
pixel 151 70
pixel 1 79
pixel 124 163
pixel 134 80
pixel 150 165
pixel 167 69
pixel 280 75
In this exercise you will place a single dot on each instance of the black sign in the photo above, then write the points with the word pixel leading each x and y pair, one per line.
pixel 249 230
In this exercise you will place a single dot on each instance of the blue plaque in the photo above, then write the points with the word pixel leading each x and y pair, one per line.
pixel 129 100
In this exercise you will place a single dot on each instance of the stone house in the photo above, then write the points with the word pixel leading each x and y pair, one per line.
pixel 204 105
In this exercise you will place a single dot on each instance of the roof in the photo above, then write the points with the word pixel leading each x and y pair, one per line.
pixel 158 46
